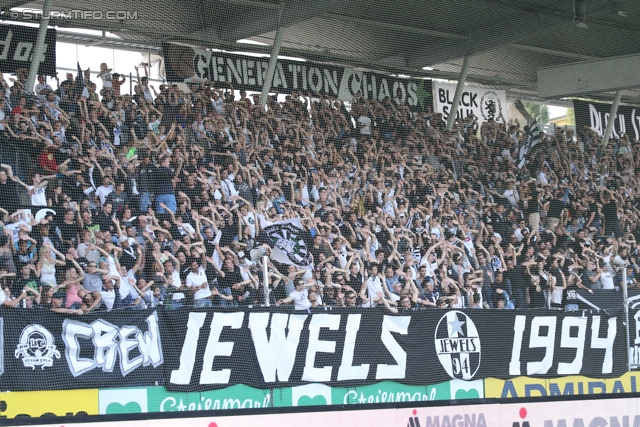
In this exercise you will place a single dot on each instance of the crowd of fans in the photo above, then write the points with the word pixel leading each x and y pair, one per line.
pixel 113 201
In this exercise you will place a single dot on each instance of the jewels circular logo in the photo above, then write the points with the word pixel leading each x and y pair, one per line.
pixel 458 345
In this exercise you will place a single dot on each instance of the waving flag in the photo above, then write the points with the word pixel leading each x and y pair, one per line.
pixel 532 139
pixel 286 242
pixel 81 87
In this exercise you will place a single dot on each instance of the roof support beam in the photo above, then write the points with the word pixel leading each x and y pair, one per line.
pixel 36 59
pixel 612 118
pixel 395 27
pixel 459 88
pixel 252 3
pixel 545 51
pixel 273 59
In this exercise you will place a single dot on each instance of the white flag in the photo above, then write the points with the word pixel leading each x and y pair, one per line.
pixel 286 242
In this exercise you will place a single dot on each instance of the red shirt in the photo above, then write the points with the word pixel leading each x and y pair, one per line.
pixel 47 160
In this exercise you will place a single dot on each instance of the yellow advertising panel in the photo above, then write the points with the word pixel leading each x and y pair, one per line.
pixel 39 403
pixel 565 386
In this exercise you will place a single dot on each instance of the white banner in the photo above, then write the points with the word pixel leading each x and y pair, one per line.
pixel 485 104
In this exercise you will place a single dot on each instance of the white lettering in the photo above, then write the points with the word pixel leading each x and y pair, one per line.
pixel 604 343
pixel 182 375
pixel 311 373
pixel 398 325
pixel 216 348
pixel 277 355
pixel 542 341
pixel 347 371
pixel 577 342
pixel 518 329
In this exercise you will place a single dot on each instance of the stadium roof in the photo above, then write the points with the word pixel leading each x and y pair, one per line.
pixel 507 40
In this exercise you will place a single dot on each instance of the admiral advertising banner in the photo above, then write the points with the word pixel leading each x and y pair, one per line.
pixel 17 44
pixel 267 348
pixel 596 115
pixel 565 386
pixel 485 104
pixel 247 72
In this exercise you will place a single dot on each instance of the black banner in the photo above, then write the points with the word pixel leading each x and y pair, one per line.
pixel 247 72
pixel 271 348
pixel 43 350
pixel 17 45
pixel 596 116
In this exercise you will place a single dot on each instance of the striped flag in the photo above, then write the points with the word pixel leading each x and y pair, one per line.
pixel 531 140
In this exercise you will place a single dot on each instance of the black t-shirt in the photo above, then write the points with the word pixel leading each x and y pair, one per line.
pixel 555 208
pixel 105 222
pixel 230 278
pixel 20 283
pixel 355 281
pixel 69 231
pixel 533 203
pixel 8 199
pixel 610 212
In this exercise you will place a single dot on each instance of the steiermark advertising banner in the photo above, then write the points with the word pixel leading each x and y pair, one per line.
pixel 159 399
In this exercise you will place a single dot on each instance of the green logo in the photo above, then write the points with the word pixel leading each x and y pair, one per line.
pixel 467 394
pixel 118 408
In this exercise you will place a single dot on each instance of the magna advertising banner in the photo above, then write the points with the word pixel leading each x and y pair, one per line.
pixel 485 104
pixel 184 64
pixel 591 412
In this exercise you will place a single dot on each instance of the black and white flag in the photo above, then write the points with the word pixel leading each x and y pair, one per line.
pixel 531 140
pixel 81 86
pixel 286 242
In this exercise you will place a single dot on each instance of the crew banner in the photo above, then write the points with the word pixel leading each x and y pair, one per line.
pixel 184 64
pixel 271 348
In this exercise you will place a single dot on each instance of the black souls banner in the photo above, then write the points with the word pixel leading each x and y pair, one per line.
pixel 17 45
pixel 206 349
pixel 596 115
pixel 247 72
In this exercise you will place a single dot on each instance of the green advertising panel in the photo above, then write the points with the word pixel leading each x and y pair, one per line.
pixel 158 399
pixel 387 391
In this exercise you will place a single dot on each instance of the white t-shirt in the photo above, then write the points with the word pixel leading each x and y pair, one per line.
pixel 250 219
pixel 102 192
pixel 300 300
pixel 185 229
pixel 606 280
pixel 3 297
pixel 147 92
pixel 218 105
pixel 108 298
pixel 366 125
pixel 106 80
pixel 374 285
pixel 195 280
pixel 38 198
